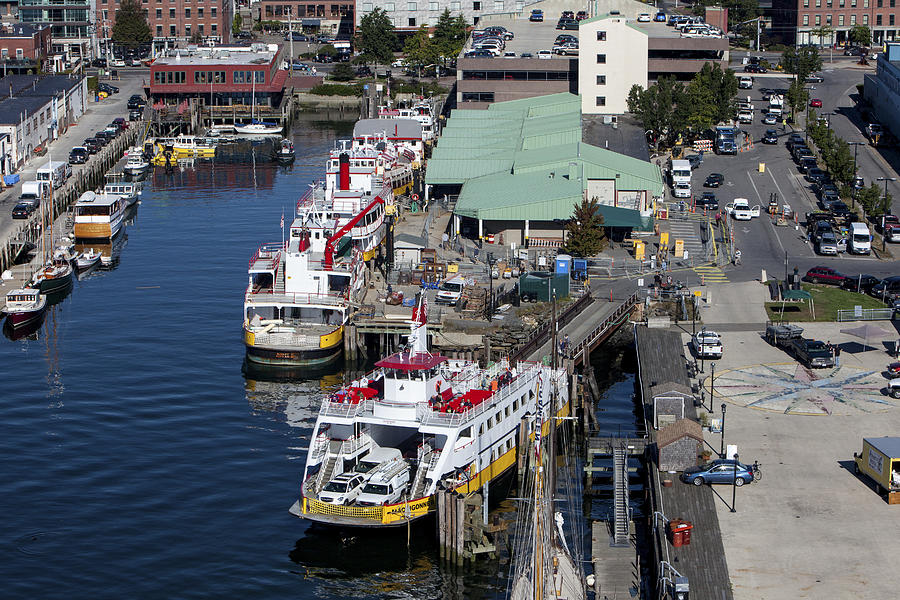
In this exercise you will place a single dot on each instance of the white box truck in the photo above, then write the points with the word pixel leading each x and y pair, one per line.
pixel 860 239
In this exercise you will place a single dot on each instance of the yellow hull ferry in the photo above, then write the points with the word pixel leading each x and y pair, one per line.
pixel 383 445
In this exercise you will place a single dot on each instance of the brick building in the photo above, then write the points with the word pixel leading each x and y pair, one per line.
pixel 24 42
pixel 793 20
pixel 176 20
pixel 333 18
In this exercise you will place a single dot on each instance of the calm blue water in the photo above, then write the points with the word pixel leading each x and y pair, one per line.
pixel 138 461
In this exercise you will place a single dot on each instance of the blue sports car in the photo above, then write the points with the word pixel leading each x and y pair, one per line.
pixel 719 471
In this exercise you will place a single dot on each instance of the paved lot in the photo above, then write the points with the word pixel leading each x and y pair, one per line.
pixel 531 37
pixel 97 117
pixel 810 528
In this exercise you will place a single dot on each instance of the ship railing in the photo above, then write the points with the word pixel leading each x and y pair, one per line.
pixel 268 251
pixel 387 514
pixel 355 443
pixel 268 295
pixel 319 449
pixel 330 408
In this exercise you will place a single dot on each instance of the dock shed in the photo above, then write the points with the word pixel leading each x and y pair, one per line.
pixel 678 445
pixel 408 249
pixel 669 399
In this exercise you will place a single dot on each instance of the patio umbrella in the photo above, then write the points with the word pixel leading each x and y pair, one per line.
pixel 866 331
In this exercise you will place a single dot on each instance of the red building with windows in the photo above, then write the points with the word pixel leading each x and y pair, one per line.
pixel 220 76
pixel 22 41
pixel 796 21
pixel 176 20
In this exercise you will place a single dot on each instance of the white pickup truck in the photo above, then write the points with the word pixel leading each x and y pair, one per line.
pixel 740 210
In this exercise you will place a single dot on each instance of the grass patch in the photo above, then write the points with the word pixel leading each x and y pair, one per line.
pixel 826 299
pixel 330 89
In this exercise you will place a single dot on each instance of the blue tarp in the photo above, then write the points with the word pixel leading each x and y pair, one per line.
pixel 11 179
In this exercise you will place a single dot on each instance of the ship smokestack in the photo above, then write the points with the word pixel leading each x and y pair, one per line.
pixel 344 174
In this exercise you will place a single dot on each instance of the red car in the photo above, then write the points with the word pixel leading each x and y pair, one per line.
pixel 824 275
pixel 815 103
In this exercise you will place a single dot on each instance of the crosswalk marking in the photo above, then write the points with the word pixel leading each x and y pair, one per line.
pixel 711 274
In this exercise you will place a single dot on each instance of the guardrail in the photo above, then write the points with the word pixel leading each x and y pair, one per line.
pixel 611 322
pixel 542 334
pixel 866 314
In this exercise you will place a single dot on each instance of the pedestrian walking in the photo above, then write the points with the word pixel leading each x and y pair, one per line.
pixel 837 355
pixel 665 265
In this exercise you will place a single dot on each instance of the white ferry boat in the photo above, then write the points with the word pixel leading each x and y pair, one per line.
pixel 382 445
pixel 98 216
pixel 420 111
pixel 299 293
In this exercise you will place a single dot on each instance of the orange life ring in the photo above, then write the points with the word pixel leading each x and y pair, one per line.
pixel 415 197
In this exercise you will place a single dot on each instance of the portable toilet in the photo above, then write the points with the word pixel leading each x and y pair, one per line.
pixel 563 264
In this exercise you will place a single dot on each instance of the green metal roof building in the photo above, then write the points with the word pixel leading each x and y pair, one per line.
pixel 520 167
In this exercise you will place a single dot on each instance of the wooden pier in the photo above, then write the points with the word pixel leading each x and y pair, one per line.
pixel 617 568
pixel 89 177
pixel 661 360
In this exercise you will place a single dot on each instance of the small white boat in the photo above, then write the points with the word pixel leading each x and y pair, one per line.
pixel 87 259
pixel 24 306
pixel 136 163
pixel 258 128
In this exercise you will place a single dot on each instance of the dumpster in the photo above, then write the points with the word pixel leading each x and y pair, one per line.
pixel 679 532
pixel 538 285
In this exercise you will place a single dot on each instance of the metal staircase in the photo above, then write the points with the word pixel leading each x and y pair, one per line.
pixel 334 450
pixel 426 464
pixel 620 496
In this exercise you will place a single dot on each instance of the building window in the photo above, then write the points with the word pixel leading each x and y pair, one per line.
pixel 171 31
pixel 259 76
pixel 187 13
pixel 171 13
pixel 828 3
pixel 412 21
pixel 601 79
pixel 865 3
pixel 601 100
pixel 841 4
pixel 828 19
pixel 200 28
pixel 433 6
pixel 455 5
pixel 601 36
pixel 411 6
pixel 187 30
pixel 879 3
pixel 159 14
pixel 601 59
pixel 865 20
pixel 890 19
pixel 200 13
pixel 877 20
pixel 159 31
pixel 389 7
pixel 818 20
pixel 841 20
pixel 805 20
pixel 214 29
pixel 853 19
pixel 476 6
pixel 367 7
pixel 212 12
pixel 893 3
pixel 818 3
pixel 853 4
pixel 805 3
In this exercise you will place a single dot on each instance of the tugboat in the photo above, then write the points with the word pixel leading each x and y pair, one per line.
pixel 285 154
pixel 383 445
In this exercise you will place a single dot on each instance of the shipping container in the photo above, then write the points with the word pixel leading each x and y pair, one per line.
pixel 880 461
pixel 538 285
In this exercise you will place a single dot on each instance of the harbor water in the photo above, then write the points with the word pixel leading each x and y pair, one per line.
pixel 139 460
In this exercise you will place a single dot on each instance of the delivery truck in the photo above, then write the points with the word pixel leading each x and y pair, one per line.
pixel 880 462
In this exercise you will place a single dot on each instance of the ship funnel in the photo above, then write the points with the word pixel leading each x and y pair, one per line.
pixel 418 337
pixel 344 174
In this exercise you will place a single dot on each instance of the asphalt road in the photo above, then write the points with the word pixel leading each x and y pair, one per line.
pixel 764 245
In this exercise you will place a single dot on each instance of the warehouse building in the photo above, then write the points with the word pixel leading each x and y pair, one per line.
pixel 517 169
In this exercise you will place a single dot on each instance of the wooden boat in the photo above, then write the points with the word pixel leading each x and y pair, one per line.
pixel 54 277
pixel 98 216
pixel 24 307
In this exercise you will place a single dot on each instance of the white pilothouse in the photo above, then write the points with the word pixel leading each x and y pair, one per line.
pixel 426 420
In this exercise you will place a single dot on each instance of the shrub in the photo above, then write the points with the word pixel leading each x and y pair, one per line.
pixel 332 89
pixel 342 72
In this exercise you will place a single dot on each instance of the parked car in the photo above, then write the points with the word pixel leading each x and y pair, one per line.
pixel 565 38
pixel 707 344
pixel 569 49
pixel 814 174
pixel 660 17
pixel 840 209
pixel 243 35
pixel 755 69
pixel 888 288
pixel 136 101
pixel 296 35
pixel 105 87
pixel 812 353
pixel 770 119
pixel 721 470
pixel 858 182
pixel 92 145
pixel 343 489
pixel 644 18
pixel 707 200
pixel 567 24
pixel 695 159
pixel 581 15
pixel 770 137
pixel 795 139
pixel 100 63
pixel 135 114
pixel 22 210
pixel 567 14
pixel 824 275
pixel 537 16
pixel 544 54
pixel 828 244
pixel 815 103
pixel 860 283
pixel 78 155
pixel 815 78
pixel 714 180
pixel 856 51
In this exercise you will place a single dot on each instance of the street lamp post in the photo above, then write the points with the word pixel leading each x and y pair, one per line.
pixel 722 446
pixel 884 208
pixel 856 146
pixel 734 484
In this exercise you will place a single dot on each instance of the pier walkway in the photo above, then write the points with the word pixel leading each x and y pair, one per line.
pixel 661 360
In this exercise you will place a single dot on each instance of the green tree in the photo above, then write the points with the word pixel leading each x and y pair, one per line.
pixel 375 38
pixel 822 32
pixel 660 109
pixel 841 166
pixel 710 96
pixel 797 97
pixel 342 72
pixel 450 34
pixel 585 235
pixel 421 50
pixel 237 24
pixel 801 61
pixel 860 35
pixel 870 198
pixel 131 27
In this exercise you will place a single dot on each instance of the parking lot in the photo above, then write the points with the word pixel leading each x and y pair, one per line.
pixel 531 37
